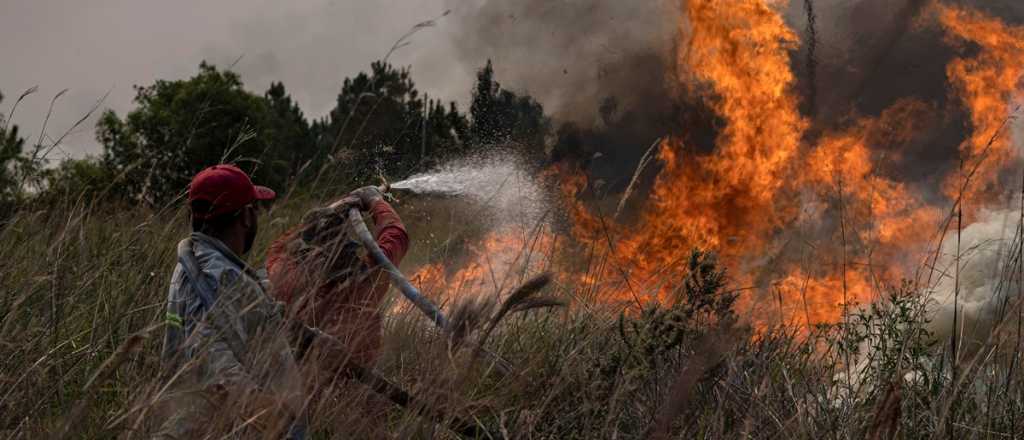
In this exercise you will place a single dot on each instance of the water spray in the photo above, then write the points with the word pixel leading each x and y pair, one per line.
pixel 498 181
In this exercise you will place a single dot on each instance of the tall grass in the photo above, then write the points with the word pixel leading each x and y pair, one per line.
pixel 83 290
pixel 83 285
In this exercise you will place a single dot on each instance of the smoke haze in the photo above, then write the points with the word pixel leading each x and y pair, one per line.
pixel 570 54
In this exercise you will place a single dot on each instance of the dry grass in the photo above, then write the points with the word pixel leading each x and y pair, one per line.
pixel 83 292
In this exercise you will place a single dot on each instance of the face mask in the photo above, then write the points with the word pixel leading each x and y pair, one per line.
pixel 250 235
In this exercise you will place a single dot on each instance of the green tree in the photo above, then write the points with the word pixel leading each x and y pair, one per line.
pixel 382 123
pixel 12 162
pixel 182 126
pixel 90 178
pixel 290 127
pixel 503 118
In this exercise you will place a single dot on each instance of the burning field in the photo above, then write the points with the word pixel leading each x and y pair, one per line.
pixel 812 212
pixel 748 219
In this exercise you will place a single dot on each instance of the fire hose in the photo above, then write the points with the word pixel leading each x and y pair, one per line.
pixel 382 386
pixel 432 312
pixel 413 294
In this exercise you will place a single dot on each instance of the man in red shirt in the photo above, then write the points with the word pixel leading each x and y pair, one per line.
pixel 329 281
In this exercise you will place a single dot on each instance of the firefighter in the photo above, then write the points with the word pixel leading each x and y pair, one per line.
pixel 330 283
pixel 226 349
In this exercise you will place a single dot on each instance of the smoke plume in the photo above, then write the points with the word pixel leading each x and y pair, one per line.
pixel 570 54
pixel 983 288
pixel 607 67
pixel 574 55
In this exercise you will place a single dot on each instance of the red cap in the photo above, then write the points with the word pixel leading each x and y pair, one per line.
pixel 226 188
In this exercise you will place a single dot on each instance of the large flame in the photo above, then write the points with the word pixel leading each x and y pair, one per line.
pixel 807 222
pixel 731 200
pixel 988 84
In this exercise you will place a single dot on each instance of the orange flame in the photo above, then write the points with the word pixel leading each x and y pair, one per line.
pixel 813 226
pixel 504 257
pixel 987 84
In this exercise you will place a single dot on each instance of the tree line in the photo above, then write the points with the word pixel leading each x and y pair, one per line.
pixel 381 125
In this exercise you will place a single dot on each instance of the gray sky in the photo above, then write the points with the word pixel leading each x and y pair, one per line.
pixel 92 46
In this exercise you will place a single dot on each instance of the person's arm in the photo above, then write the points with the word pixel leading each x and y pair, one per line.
pixel 219 349
pixel 282 266
pixel 215 340
pixel 226 378
pixel 220 368
pixel 391 234
pixel 226 381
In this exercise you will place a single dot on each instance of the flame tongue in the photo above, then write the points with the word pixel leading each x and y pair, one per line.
pixel 728 200
pixel 813 227
pixel 987 84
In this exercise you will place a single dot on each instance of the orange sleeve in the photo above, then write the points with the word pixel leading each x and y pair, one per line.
pixel 280 266
pixel 391 235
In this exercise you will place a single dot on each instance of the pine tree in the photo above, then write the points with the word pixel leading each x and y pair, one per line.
pixel 381 124
pixel 12 162
pixel 501 118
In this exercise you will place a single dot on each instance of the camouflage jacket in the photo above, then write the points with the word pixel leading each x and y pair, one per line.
pixel 226 336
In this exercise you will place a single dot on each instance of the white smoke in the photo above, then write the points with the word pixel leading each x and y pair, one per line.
pixel 986 281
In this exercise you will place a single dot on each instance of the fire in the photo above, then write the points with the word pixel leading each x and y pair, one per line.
pixel 987 83
pixel 802 299
pixel 877 210
pixel 730 200
pixel 807 220
pixel 504 257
